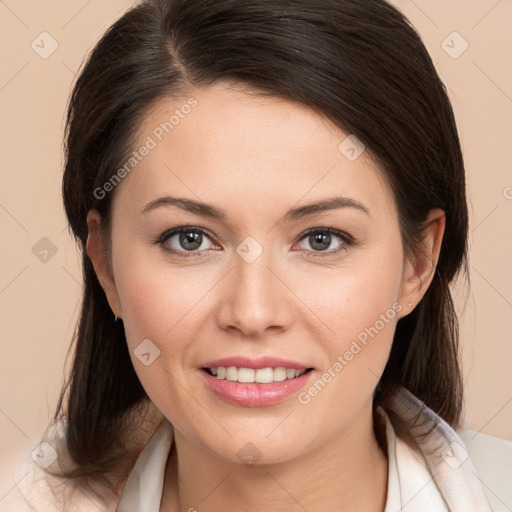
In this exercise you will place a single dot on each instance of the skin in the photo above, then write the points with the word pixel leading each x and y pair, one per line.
pixel 256 158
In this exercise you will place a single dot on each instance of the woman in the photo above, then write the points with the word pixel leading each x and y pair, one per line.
pixel 270 200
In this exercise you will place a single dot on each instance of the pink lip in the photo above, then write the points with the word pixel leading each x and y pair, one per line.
pixel 255 394
pixel 248 362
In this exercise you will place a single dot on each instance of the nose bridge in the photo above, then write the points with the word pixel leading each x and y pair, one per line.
pixel 255 299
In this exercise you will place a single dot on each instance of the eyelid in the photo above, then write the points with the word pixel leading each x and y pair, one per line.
pixel 179 229
pixel 346 238
pixel 331 231
pixel 160 240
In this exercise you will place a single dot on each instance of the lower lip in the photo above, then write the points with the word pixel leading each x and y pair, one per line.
pixel 254 394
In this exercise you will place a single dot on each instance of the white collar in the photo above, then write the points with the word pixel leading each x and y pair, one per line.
pixel 439 477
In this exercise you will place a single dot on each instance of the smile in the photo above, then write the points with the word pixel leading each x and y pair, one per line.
pixel 255 375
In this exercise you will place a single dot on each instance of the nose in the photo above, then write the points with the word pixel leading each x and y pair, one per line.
pixel 255 301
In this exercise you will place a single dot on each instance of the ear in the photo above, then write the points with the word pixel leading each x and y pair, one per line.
pixel 97 252
pixel 419 268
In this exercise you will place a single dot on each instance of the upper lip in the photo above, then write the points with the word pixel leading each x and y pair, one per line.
pixel 256 363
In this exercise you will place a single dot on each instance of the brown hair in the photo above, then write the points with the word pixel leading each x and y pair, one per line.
pixel 360 64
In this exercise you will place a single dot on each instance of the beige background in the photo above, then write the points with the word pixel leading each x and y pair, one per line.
pixel 39 300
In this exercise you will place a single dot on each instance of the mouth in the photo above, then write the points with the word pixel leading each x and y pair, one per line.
pixel 255 382
pixel 247 375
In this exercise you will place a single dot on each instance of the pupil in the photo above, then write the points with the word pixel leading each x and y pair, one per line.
pixel 320 241
pixel 190 240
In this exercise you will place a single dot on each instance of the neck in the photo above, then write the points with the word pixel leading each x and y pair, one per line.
pixel 347 473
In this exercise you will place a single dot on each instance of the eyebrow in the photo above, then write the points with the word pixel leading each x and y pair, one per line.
pixel 207 210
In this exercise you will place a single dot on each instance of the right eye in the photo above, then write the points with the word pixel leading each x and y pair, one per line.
pixel 185 239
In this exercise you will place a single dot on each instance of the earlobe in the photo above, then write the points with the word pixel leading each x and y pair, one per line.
pixel 419 270
pixel 97 253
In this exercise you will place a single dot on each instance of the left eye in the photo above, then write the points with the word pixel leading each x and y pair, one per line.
pixel 320 240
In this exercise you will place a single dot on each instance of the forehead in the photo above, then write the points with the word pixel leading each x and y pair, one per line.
pixel 241 148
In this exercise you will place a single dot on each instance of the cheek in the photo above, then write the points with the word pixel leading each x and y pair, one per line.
pixel 359 308
pixel 161 305
pixel 355 297
pixel 158 303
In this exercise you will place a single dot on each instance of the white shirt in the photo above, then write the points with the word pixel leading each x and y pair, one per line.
pixel 439 476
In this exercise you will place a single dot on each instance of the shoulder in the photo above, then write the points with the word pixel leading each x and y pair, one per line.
pixel 32 483
pixel 32 489
pixel 492 457
pixel 467 466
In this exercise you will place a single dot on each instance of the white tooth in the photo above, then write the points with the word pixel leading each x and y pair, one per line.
pixel 279 374
pixel 261 375
pixel 245 375
pixel 232 373
pixel 264 375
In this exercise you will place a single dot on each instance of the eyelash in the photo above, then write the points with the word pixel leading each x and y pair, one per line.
pixel 346 239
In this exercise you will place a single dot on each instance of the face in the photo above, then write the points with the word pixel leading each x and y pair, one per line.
pixel 255 280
